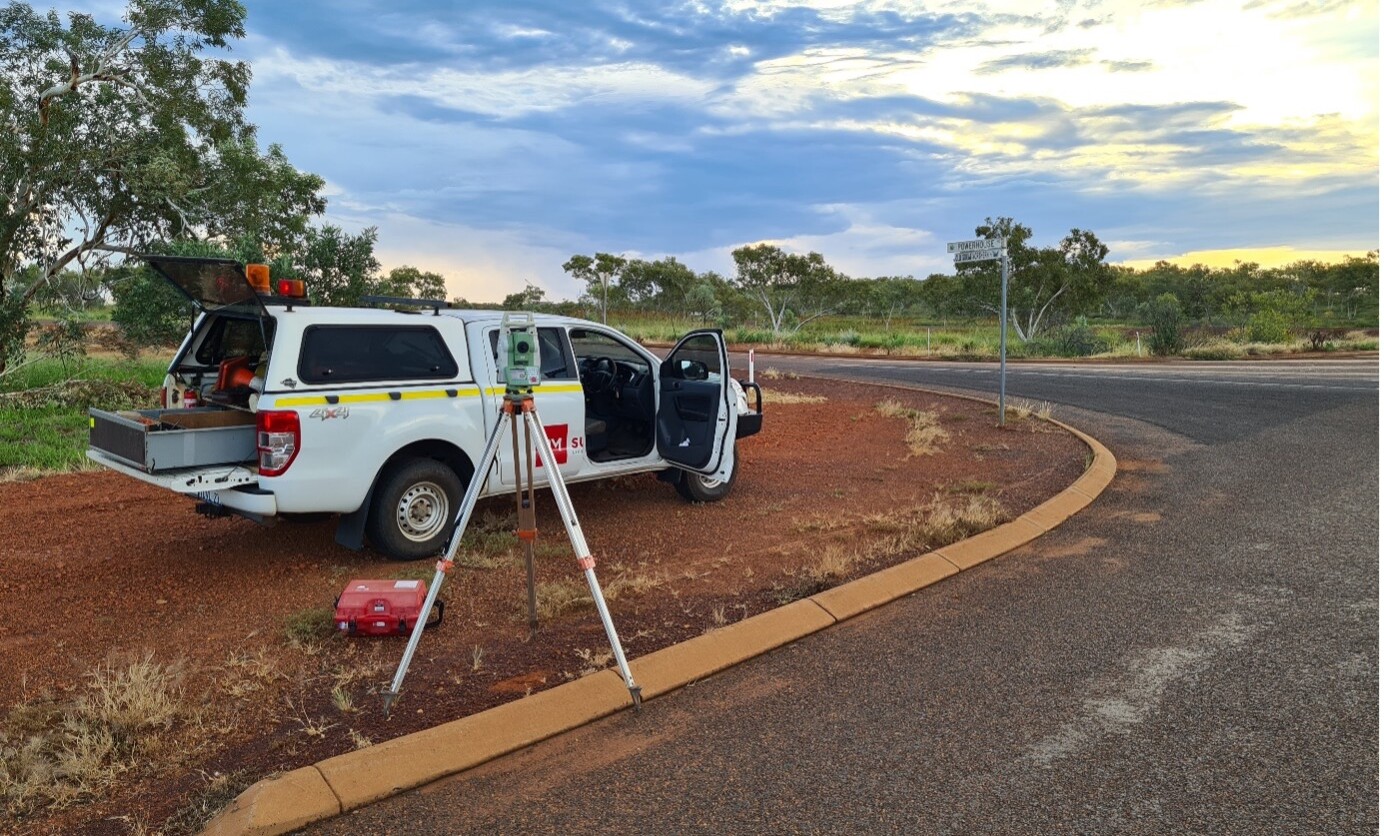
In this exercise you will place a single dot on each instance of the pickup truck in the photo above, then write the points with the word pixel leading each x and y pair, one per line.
pixel 275 408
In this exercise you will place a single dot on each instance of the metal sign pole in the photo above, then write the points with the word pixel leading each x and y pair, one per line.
pixel 1004 322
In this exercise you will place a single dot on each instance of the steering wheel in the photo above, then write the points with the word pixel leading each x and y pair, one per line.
pixel 598 374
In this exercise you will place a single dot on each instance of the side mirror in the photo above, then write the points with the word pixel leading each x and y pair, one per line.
pixel 692 370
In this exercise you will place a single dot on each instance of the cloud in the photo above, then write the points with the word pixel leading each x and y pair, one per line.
pixel 1296 9
pixel 1128 66
pixel 710 39
pixel 502 94
pixel 1037 61
pixel 867 130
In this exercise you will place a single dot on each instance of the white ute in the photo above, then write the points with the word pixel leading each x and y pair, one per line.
pixel 273 408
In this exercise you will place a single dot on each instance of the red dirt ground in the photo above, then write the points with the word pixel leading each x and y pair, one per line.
pixel 96 566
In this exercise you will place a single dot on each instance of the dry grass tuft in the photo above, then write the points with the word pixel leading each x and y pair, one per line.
pixel 561 596
pixel 247 673
pixel 626 585
pixel 1021 409
pixel 924 435
pixel 943 521
pixel 58 753
pixel 833 564
pixel 771 373
pixel 774 396
pixel 949 521
pixel 594 661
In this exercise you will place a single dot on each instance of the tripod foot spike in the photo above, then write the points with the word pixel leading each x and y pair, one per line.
pixel 638 697
pixel 389 697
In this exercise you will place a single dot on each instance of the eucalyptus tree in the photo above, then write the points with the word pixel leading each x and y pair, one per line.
pixel 114 137
pixel 597 273
pixel 1069 278
pixel 791 288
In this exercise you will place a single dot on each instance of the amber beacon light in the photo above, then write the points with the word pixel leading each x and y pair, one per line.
pixel 258 277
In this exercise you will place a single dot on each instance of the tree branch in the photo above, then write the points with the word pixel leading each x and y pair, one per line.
pixel 91 243
pixel 103 72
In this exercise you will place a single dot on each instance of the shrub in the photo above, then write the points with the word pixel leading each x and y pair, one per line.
pixel 1268 325
pixel 14 327
pixel 1164 314
pixel 63 340
pixel 1076 340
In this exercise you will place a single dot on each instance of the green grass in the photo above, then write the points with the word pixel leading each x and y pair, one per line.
pixel 52 438
pixel 101 313
pixel 307 629
pixel 47 371
pixel 51 434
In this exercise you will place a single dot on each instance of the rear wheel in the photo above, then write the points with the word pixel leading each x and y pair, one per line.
pixel 413 508
pixel 699 488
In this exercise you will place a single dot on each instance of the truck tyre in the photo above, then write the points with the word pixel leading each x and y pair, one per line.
pixel 413 509
pixel 699 488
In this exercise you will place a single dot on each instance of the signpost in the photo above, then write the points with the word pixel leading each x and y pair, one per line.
pixel 989 249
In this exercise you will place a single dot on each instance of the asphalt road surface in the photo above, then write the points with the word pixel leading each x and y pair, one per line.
pixel 1196 652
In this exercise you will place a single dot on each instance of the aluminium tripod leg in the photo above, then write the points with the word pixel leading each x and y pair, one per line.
pixel 444 565
pixel 584 558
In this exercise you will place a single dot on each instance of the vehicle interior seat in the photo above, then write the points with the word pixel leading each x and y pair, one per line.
pixel 596 439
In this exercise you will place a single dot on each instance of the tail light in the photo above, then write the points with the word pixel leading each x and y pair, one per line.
pixel 278 437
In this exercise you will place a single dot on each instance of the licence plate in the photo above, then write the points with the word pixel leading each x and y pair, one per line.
pixel 213 497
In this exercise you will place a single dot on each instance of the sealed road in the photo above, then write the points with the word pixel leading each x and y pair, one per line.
pixel 1197 652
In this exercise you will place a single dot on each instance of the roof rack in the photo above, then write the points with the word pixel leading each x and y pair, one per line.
pixel 436 304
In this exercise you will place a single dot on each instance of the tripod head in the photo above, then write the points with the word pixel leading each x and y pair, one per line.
pixel 518 362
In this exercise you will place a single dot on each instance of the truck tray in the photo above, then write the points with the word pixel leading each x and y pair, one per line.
pixel 156 440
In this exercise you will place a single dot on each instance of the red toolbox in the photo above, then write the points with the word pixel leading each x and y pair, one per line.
pixel 383 608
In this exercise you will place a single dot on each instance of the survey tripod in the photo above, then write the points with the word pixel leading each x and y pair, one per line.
pixel 519 367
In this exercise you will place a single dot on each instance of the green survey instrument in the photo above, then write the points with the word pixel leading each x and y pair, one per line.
pixel 518 364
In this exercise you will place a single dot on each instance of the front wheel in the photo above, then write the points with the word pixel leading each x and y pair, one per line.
pixel 699 488
pixel 412 511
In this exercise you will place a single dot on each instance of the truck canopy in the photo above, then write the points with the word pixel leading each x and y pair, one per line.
pixel 212 284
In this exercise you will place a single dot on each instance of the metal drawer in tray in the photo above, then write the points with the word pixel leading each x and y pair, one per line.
pixel 155 440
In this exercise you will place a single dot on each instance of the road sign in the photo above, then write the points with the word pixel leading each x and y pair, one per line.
pixel 976 255
pixel 988 249
pixel 974 244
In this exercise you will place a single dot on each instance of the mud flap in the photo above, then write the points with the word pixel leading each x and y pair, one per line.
pixel 350 530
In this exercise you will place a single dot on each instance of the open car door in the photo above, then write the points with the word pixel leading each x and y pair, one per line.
pixel 696 407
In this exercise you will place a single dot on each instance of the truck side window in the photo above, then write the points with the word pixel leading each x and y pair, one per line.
pixel 360 353
pixel 233 337
pixel 555 360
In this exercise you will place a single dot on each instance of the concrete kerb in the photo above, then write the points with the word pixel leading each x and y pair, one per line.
pixel 345 782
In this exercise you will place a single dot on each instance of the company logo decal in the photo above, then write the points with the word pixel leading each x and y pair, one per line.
pixel 557 442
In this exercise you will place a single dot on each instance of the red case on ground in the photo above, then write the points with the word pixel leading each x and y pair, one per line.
pixel 383 608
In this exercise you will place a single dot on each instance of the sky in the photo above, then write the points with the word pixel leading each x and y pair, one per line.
pixel 490 141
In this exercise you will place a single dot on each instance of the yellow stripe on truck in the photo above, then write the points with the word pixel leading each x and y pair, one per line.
pixel 414 395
